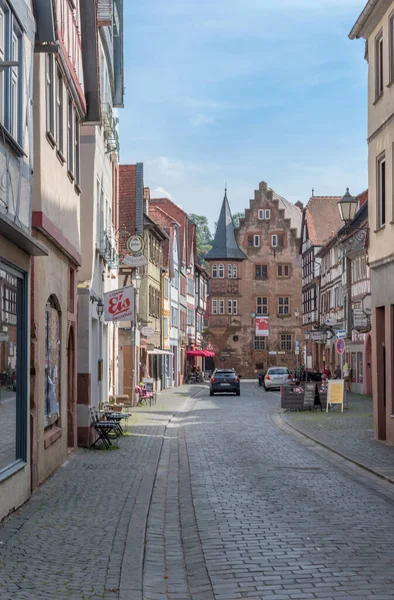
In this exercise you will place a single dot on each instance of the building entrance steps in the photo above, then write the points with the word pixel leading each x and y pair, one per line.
pixel 350 434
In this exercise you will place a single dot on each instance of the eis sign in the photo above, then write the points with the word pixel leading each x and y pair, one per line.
pixel 119 305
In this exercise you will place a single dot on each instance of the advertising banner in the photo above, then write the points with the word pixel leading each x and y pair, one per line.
pixel 119 305
pixel 262 326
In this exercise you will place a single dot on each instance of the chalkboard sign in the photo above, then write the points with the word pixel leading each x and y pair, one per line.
pixel 309 396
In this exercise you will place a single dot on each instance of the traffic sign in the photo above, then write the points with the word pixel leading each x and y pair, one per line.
pixel 340 346
pixel 341 333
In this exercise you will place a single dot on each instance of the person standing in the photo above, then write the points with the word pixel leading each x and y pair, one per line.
pixel 337 372
pixel 346 376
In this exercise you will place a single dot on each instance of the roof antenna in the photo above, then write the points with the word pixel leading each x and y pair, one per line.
pixel 313 193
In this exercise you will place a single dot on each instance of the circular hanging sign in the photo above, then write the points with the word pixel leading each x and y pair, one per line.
pixel 147 331
pixel 135 244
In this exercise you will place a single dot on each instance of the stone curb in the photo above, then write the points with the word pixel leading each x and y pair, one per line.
pixel 282 424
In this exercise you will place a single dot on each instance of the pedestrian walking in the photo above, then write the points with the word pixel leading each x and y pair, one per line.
pixel 337 372
pixel 346 376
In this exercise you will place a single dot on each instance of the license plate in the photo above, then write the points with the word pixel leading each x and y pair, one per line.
pixel 224 384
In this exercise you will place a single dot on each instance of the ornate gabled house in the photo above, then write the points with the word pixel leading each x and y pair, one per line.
pixel 255 295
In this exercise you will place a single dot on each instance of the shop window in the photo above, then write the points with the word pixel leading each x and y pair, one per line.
pixel 360 367
pixel 13 368
pixel 52 362
pixel 354 368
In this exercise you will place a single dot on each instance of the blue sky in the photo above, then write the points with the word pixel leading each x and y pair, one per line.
pixel 244 91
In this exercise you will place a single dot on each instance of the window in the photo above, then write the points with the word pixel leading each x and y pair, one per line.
pixel 283 271
pixel 13 368
pixel 174 317
pixel 256 241
pixel 283 306
pixel 182 315
pixel 59 111
pixel 165 327
pixel 214 271
pixel 250 241
pixel 267 214
pixel 70 136
pixel 285 341
pixel 166 287
pixel 221 271
pixel 274 241
pixel 391 35
pixel 381 191
pixel 261 306
pixel 190 317
pixel 232 304
pixel 76 149
pixel 260 342
pixel 50 109
pixel 261 272
pixel 232 271
pixel 190 286
pixel 379 65
pixel 52 362
pixel 260 214
pixel 214 306
pixel 11 78
pixel 277 240
pixel 221 306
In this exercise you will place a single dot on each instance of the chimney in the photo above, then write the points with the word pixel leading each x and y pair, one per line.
pixel 146 200
pixel 300 205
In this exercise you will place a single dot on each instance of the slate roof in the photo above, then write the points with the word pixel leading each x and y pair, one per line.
pixel 292 212
pixel 225 245
pixel 323 218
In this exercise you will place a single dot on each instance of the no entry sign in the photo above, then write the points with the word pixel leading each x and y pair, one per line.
pixel 340 346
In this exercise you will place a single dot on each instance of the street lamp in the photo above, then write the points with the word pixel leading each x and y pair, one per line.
pixel 347 207
pixel 100 308
pixel 136 281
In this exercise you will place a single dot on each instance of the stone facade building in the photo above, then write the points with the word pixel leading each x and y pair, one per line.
pixel 256 285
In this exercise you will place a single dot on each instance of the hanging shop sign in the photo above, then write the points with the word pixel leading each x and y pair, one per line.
pixel 361 321
pixel 135 244
pixel 135 261
pixel 119 304
pixel 147 331
pixel 262 328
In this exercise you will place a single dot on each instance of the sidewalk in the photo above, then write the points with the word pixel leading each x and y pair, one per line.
pixel 349 434
pixel 71 540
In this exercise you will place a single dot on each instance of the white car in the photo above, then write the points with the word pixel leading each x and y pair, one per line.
pixel 275 377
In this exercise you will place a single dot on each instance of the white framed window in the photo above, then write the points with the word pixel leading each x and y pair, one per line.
pixel 165 327
pixel 283 305
pixel 260 342
pixel 274 241
pixel 166 287
pixel 214 306
pixel 260 214
pixel 379 65
pixel 221 271
pixel 11 78
pixel 214 271
pixel 230 271
pixel 76 149
pixel 70 136
pixel 15 93
pixel 232 305
pixel 235 306
pixel 285 341
pixel 221 306
pixel 267 214
pixel 381 191
pixel 2 57
pixel 261 306
pixel 59 111
pixel 49 95
pixel 256 241
pixel 391 42
pixel 235 271
pixel 283 271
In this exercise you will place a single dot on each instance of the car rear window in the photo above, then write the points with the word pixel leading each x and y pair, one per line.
pixel 278 371
pixel 222 372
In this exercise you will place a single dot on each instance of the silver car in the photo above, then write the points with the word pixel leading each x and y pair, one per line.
pixel 275 377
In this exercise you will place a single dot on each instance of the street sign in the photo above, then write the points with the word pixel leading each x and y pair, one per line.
pixel 330 322
pixel 341 333
pixel 340 346
pixel 272 352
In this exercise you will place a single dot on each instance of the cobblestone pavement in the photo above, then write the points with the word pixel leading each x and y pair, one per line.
pixel 350 433
pixel 207 500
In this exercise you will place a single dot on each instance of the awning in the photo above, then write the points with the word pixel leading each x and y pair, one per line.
pixel 161 352
pixel 203 353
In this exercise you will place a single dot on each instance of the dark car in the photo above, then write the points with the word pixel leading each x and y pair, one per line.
pixel 225 380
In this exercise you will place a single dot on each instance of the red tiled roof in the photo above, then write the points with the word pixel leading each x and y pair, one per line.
pixel 167 222
pixel 127 203
pixel 179 215
pixel 323 218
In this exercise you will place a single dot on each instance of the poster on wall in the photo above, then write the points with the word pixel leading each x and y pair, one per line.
pixel 262 326
pixel 119 304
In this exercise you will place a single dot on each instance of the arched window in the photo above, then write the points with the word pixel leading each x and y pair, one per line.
pixel 52 361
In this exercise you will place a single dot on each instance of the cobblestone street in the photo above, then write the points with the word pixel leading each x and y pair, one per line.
pixel 206 499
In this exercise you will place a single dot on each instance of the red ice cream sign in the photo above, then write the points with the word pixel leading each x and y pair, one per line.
pixel 119 305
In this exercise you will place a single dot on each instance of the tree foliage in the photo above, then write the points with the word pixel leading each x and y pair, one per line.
pixel 204 238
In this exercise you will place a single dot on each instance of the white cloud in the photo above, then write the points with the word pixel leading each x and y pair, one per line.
pixel 202 119
pixel 160 192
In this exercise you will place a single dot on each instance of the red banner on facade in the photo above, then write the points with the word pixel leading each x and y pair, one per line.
pixel 262 326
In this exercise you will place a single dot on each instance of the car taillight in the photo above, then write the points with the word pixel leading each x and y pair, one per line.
pixel 289 377
pixel 268 377
pixel 213 379
pixel 236 379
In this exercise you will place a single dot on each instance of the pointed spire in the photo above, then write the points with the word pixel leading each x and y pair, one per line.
pixel 225 245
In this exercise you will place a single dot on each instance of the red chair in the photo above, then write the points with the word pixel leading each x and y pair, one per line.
pixel 144 395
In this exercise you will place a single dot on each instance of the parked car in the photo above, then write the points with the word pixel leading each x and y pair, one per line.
pixel 275 377
pixel 225 380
